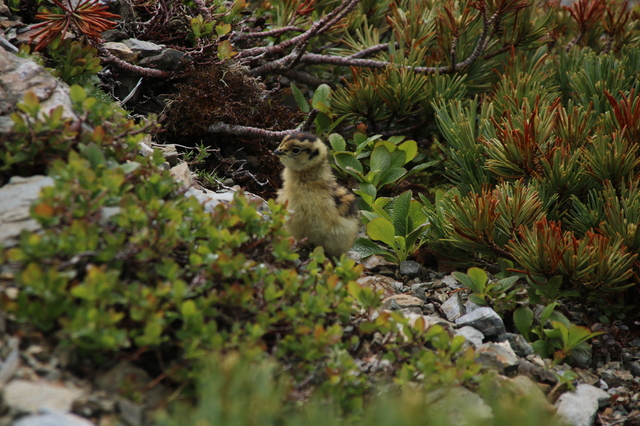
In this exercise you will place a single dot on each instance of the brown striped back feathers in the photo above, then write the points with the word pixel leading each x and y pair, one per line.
pixel 321 209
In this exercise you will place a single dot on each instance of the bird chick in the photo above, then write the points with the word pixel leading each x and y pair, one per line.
pixel 321 209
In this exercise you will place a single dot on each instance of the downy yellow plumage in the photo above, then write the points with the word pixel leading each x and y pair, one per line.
pixel 321 209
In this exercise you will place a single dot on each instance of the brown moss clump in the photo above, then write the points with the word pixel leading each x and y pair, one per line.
pixel 224 93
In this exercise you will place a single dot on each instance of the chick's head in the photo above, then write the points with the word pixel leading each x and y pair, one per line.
pixel 300 151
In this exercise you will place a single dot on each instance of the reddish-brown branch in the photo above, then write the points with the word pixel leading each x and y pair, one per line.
pixel 130 68
pixel 318 27
pixel 264 34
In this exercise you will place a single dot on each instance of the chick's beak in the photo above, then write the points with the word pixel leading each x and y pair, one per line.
pixel 278 152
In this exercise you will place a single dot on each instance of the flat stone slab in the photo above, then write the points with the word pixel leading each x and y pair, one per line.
pixel 41 395
pixel 15 201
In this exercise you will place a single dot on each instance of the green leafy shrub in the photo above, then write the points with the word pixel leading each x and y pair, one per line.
pixel 126 264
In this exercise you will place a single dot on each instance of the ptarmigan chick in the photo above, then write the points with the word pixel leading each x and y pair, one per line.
pixel 321 209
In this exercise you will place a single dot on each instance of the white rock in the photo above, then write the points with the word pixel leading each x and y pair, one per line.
pixel 453 308
pixel 40 395
pixel 473 336
pixel 579 407
pixel 53 419
pixel 15 200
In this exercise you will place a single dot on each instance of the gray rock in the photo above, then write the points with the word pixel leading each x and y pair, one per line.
pixel 457 406
pixel 143 49
pixel 120 50
pixel 131 412
pixel 10 366
pixel 469 306
pixel 15 200
pixel 20 75
pixel 403 301
pixel 617 377
pixel 536 372
pixel 429 308
pixel 410 268
pixel 127 375
pixel 169 60
pixel 451 282
pixel 519 344
pixel 453 308
pixel 375 262
pixel 428 321
pixel 634 367
pixel 417 290
pixel 579 407
pixel 387 285
pixel 53 419
pixel 33 396
pixel 498 356
pixel 487 321
pixel 473 336
pixel 114 35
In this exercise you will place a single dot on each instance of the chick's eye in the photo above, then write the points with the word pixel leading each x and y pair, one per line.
pixel 295 151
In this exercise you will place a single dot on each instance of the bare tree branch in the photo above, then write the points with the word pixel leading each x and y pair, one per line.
pixel 202 8
pixel 234 129
pixel 130 68
pixel 306 78
pixel 318 27
pixel 263 34
pixel 488 31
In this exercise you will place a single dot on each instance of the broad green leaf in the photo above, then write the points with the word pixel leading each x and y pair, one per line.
pixel 129 167
pixel 400 213
pixel 541 347
pixel 336 140
pixel 478 300
pixel 523 319
pixel 391 176
pixel 303 105
pixel 416 214
pixel 421 167
pixel 368 327
pixel 506 283
pixel 380 229
pixel 380 158
pixel 466 281
pixel 347 159
pixel 397 159
pixel 365 247
pixel 321 95
pixel 559 317
pixel 223 29
pixel 188 308
pixel 225 50
pixel 77 93
pixel 368 189
pixel 479 276
pixel 95 155
pixel 410 148
pixel 546 313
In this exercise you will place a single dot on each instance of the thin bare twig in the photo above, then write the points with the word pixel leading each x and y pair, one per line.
pixel 203 9
pixel 354 60
pixel 263 34
pixel 256 132
pixel 130 68
pixel 318 27
pixel 306 124
pixel 306 78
